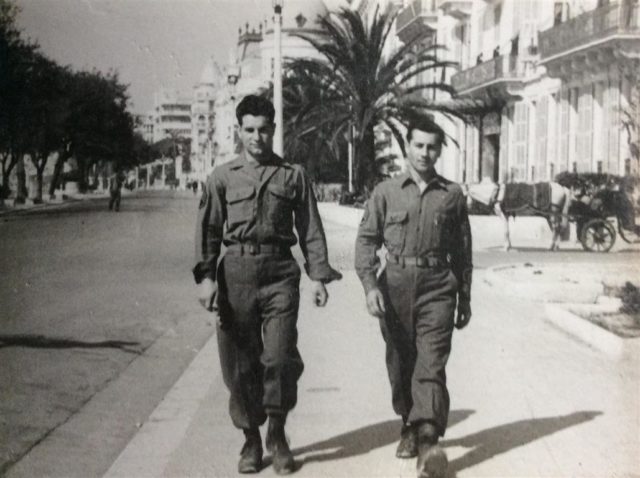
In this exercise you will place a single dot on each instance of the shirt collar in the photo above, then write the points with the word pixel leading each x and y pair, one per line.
pixel 241 161
pixel 406 177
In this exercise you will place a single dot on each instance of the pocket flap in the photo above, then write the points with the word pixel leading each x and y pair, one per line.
pixel 398 216
pixel 286 193
pixel 239 194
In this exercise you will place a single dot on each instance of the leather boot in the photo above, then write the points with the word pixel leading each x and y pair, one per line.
pixel 432 460
pixel 251 453
pixel 408 446
pixel 283 462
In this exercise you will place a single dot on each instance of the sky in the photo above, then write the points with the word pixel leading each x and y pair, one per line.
pixel 151 43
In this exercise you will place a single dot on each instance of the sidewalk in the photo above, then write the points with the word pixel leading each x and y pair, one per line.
pixel 47 203
pixel 527 400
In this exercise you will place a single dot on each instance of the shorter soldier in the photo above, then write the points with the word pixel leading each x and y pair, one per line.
pixel 251 205
pixel 421 219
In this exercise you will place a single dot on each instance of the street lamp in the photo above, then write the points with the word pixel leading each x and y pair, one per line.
pixel 278 143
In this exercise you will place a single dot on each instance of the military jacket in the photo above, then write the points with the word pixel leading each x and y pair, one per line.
pixel 414 224
pixel 247 203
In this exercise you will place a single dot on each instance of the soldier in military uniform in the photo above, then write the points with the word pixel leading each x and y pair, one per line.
pixel 251 205
pixel 421 219
pixel 115 191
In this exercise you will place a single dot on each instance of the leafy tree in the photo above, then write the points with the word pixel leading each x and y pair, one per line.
pixel 17 63
pixel 362 86
pixel 318 148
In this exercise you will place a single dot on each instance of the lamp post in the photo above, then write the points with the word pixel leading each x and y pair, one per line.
pixel 278 143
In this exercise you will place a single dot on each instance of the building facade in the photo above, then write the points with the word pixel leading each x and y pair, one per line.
pixel 555 84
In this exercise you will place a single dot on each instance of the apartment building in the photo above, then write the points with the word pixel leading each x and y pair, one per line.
pixel 172 114
pixel 555 84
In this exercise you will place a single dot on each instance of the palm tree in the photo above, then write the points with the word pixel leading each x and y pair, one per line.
pixel 357 85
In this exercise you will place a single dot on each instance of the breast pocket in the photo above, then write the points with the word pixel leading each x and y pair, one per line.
pixel 240 205
pixel 394 231
pixel 280 205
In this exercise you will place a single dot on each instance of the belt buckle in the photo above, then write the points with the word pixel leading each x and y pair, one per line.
pixel 254 249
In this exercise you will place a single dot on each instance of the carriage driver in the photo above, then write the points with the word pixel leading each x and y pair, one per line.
pixel 422 220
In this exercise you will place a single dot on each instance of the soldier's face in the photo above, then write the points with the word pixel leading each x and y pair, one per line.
pixel 423 150
pixel 256 135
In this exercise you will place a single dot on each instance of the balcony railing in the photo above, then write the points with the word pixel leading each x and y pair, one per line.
pixel 416 18
pixel 599 24
pixel 504 68
pixel 456 8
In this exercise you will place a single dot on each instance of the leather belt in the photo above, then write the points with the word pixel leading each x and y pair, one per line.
pixel 257 249
pixel 429 261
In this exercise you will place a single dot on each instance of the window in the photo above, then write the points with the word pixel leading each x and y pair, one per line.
pixel 599 167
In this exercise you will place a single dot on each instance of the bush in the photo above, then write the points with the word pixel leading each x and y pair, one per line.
pixel 630 296
pixel 328 192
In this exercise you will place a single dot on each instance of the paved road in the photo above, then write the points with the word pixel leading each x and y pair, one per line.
pixel 85 295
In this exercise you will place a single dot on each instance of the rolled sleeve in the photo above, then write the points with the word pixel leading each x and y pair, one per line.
pixel 209 229
pixel 461 254
pixel 369 240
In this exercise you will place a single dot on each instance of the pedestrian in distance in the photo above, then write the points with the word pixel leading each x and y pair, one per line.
pixel 115 191
pixel 251 205
pixel 421 219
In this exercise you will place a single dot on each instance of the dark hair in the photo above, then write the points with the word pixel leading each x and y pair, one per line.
pixel 427 125
pixel 255 106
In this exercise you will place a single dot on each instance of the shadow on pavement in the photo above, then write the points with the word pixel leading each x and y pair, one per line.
pixel 42 342
pixel 494 441
pixel 363 440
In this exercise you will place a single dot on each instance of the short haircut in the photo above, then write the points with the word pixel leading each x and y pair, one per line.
pixel 426 124
pixel 255 106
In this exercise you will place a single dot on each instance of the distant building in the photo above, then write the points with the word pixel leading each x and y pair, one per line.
pixel 144 125
pixel 172 114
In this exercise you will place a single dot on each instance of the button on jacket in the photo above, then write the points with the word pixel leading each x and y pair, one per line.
pixel 412 224
pixel 249 203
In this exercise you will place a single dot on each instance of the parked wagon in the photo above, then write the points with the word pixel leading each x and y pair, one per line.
pixel 600 219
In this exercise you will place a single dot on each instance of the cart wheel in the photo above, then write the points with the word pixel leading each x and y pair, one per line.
pixel 598 236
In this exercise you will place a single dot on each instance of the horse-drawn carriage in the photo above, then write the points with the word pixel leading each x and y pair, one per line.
pixel 593 211
pixel 601 217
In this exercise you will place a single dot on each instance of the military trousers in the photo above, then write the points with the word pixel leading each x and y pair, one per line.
pixel 258 300
pixel 417 329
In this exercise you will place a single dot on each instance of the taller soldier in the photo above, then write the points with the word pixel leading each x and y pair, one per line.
pixel 422 220
pixel 251 205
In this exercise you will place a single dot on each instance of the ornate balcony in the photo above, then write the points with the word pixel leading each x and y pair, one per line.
pixel 593 39
pixel 459 9
pixel 499 77
pixel 418 17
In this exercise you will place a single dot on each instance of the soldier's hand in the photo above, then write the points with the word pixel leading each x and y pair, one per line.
pixel 375 303
pixel 207 292
pixel 320 295
pixel 464 314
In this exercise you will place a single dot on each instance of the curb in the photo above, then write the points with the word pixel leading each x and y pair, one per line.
pixel 597 337
pixel 548 292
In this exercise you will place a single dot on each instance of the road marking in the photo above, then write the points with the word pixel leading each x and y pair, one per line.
pixel 149 452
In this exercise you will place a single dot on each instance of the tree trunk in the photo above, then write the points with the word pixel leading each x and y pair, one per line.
pixel 83 172
pixel 366 176
pixel 21 174
pixel 5 191
pixel 57 170
pixel 39 174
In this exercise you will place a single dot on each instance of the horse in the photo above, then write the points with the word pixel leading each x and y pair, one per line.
pixel 550 200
